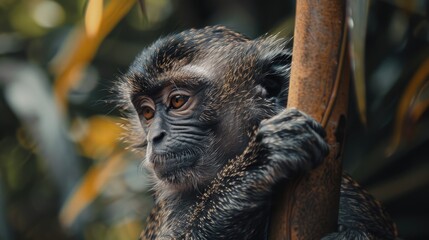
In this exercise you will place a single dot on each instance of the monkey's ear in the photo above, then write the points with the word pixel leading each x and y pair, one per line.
pixel 275 68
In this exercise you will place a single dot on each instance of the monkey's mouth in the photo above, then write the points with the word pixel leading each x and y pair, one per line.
pixel 169 166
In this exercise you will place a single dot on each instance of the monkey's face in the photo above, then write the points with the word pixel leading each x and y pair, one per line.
pixel 196 97
pixel 189 132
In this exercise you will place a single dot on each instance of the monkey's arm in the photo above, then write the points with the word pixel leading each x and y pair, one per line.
pixel 237 203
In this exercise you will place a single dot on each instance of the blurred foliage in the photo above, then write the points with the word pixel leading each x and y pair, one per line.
pixel 64 174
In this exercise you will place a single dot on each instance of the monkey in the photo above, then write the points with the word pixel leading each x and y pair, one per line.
pixel 207 108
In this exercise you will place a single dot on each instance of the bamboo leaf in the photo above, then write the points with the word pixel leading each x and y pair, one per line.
pixel 98 136
pixel 421 103
pixel 357 16
pixel 94 12
pixel 80 49
pixel 403 113
pixel 89 188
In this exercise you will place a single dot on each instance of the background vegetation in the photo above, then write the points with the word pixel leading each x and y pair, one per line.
pixel 65 175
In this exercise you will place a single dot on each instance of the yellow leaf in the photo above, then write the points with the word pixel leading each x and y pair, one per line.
pixel 89 188
pixel 357 17
pixel 93 15
pixel 80 49
pixel 419 109
pixel 412 89
pixel 99 137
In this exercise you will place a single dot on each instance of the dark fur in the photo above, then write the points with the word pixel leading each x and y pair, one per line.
pixel 256 142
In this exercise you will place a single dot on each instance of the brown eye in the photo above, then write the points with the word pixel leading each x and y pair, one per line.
pixel 148 113
pixel 178 101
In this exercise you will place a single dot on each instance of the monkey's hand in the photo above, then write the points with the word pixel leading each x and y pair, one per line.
pixel 237 201
pixel 292 143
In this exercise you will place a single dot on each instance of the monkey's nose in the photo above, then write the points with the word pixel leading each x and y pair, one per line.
pixel 158 137
pixel 157 131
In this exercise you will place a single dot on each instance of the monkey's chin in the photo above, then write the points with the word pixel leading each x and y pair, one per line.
pixel 173 168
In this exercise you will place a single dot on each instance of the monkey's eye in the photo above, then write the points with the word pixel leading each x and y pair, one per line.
pixel 178 101
pixel 147 112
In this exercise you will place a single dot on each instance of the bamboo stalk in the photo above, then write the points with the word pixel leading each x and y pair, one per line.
pixel 307 208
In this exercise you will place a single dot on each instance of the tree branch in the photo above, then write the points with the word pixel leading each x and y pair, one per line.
pixel 307 208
